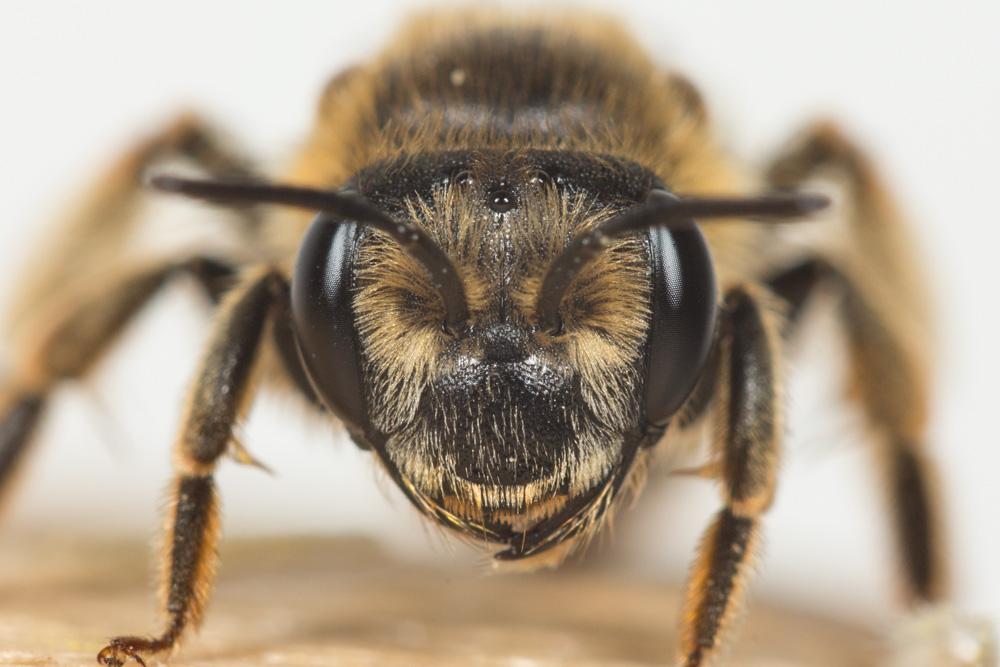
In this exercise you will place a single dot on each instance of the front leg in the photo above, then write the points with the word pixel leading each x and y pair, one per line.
pixel 219 397
pixel 748 443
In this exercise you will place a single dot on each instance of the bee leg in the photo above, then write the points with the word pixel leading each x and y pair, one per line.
pixel 891 386
pixel 66 346
pixel 881 308
pixel 749 418
pixel 219 397
pixel 97 231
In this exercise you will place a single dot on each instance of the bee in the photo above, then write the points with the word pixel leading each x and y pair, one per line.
pixel 513 260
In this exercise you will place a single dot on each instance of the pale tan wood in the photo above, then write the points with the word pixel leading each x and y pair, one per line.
pixel 342 602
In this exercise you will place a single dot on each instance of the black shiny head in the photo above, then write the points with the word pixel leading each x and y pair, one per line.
pixel 505 330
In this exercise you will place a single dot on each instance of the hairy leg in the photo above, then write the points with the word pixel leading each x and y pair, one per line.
pixel 97 231
pixel 219 397
pixel 80 291
pixel 749 431
pixel 67 342
pixel 882 306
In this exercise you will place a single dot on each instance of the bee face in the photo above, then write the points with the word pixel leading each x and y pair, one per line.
pixel 504 425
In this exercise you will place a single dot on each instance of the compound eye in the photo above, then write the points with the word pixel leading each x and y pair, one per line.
pixel 323 315
pixel 683 322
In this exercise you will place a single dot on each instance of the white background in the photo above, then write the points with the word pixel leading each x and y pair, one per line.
pixel 918 82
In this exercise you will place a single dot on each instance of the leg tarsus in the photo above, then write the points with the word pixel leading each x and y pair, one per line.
pixel 716 582
pixel 122 649
pixel 917 527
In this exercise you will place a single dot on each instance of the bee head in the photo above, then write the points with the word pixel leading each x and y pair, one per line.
pixel 507 331
pixel 503 424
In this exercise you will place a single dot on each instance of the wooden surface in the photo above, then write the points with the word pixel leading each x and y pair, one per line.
pixel 343 602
